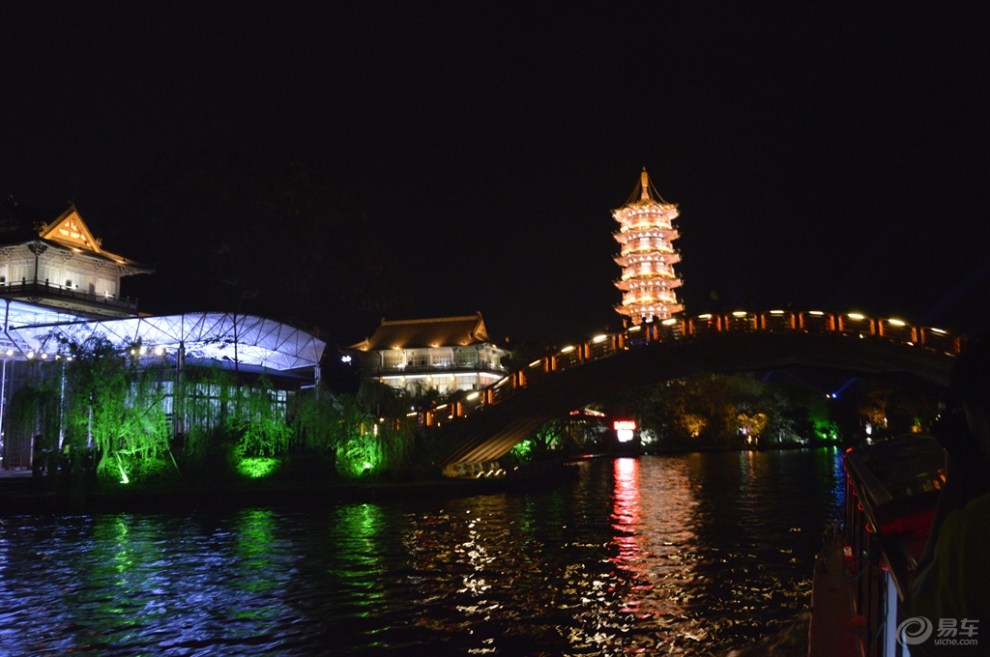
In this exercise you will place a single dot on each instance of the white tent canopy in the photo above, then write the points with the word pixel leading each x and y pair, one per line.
pixel 225 337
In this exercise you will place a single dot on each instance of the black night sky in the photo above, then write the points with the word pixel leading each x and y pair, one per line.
pixel 832 156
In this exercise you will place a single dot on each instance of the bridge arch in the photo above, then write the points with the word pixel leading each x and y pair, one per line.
pixel 575 376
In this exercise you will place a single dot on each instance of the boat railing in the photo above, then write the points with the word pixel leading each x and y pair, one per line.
pixel 891 492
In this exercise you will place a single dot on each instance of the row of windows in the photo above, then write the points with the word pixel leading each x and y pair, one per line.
pixel 56 276
pixel 439 359
pixel 443 383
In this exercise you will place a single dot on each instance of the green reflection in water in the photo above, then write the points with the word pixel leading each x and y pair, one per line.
pixel 362 524
pixel 124 567
pixel 359 567
pixel 255 533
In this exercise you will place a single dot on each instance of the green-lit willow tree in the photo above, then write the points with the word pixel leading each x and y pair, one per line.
pixel 246 427
pixel 112 407
pixel 122 404
pixel 359 443
pixel 121 409
pixel 227 422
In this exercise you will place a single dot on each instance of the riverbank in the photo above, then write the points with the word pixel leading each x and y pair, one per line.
pixel 22 495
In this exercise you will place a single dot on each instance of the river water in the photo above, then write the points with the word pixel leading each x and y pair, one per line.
pixel 684 555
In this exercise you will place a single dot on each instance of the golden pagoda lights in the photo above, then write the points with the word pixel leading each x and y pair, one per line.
pixel 647 256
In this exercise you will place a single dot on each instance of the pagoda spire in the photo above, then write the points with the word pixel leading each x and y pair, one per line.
pixel 647 256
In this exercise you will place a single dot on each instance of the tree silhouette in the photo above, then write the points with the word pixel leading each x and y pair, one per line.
pixel 256 234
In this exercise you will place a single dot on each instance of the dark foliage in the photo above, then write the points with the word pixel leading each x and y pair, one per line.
pixel 256 234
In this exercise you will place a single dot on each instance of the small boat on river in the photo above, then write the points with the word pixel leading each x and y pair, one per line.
pixel 865 569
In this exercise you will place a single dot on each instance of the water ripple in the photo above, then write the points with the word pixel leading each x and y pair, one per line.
pixel 688 555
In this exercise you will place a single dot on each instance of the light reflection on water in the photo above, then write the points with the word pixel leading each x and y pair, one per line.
pixel 686 555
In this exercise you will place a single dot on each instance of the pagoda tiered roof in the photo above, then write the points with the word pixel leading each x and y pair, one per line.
pixel 639 258
pixel 647 255
pixel 637 282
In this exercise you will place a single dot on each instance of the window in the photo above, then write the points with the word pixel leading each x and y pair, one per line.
pixel 442 358
pixel 393 360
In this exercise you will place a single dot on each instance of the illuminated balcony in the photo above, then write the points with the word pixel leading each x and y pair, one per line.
pixel 68 298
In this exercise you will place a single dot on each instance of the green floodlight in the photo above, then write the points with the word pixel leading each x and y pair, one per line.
pixel 257 467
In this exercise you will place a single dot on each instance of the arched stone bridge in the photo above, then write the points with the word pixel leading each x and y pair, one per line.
pixel 494 420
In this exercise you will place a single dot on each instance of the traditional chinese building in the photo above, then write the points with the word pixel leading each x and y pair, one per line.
pixel 647 256
pixel 446 354
pixel 59 286
pixel 60 265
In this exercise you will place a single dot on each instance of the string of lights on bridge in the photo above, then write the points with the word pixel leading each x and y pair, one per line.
pixel 676 329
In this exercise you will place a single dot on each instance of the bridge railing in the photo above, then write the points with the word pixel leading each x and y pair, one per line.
pixel 604 345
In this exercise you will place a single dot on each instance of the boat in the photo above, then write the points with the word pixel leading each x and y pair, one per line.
pixel 866 565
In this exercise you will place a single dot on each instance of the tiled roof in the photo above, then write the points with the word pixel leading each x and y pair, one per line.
pixel 437 332
pixel 22 225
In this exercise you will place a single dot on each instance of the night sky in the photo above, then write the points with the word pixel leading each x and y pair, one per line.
pixel 832 156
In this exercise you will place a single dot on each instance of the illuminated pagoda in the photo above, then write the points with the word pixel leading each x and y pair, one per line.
pixel 647 256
